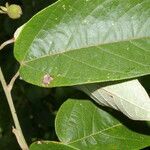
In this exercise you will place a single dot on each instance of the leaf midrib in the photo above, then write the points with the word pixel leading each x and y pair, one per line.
pixel 100 132
pixel 106 129
pixel 89 46
pixel 115 94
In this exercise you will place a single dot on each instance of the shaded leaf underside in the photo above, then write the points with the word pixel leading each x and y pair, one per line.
pixel 128 97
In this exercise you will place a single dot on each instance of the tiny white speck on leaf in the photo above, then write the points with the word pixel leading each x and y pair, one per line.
pixel 39 142
pixel 63 6
pixel 113 24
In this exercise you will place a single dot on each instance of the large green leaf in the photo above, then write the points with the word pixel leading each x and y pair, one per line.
pixel 84 41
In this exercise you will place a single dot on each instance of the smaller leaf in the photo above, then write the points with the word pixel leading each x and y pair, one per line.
pixel 84 126
pixel 128 97
pixel 50 146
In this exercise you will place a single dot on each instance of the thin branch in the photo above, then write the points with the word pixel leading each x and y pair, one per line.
pixel 6 43
pixel 17 130
pixel 3 12
pixel 11 83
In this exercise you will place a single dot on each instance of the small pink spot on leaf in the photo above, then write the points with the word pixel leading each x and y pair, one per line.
pixel 47 79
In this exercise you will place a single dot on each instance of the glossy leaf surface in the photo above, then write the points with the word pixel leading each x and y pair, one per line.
pixel 50 146
pixel 83 125
pixel 85 41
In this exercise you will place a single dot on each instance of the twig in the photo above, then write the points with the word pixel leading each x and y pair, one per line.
pixel 11 83
pixel 17 130
pixel 6 43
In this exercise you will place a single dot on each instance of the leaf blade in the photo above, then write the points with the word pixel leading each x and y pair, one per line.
pixel 128 97
pixel 85 36
pixel 50 146
pixel 83 125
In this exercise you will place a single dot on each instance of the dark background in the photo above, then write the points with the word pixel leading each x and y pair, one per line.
pixel 36 107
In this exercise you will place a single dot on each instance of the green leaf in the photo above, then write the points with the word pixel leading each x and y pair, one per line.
pixel 85 41
pixel 84 126
pixel 50 146
pixel 128 97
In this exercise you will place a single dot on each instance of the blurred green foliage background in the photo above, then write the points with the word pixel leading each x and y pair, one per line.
pixel 36 107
